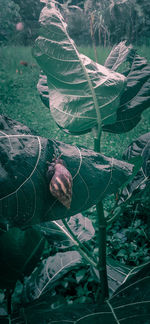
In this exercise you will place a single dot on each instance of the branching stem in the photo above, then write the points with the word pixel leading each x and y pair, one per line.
pixel 102 251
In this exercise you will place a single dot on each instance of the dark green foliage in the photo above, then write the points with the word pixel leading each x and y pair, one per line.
pixel 29 12
pixel 128 238
pixel 19 253
pixel 130 303
pixel 9 16
pixel 112 23
pixel 119 20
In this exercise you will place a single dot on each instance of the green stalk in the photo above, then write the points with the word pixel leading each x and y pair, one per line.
pixel 82 249
pixel 100 214
pixel 92 36
pixel 8 298
pixel 101 238
pixel 80 245
pixel 102 251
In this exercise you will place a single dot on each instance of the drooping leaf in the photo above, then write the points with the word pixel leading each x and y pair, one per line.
pixel 49 272
pixel 19 253
pixel 138 148
pixel 136 96
pixel 25 198
pixel 79 88
pixel 57 233
pixel 129 304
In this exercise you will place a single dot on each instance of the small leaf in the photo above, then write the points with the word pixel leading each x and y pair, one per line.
pixel 118 55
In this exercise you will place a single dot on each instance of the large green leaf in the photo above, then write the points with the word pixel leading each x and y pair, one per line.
pixel 129 304
pixel 136 96
pixel 79 88
pixel 19 253
pixel 24 190
pixel 138 148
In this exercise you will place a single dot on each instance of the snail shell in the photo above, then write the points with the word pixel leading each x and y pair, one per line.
pixel 60 185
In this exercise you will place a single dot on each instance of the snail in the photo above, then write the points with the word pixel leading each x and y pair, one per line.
pixel 61 182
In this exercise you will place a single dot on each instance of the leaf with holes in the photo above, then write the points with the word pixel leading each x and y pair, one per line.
pixel 25 198
pixel 79 88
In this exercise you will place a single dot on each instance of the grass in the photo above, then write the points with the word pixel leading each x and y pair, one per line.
pixel 20 100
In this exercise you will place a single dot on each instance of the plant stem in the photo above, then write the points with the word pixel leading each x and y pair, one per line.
pixel 80 245
pixel 82 249
pixel 101 238
pixel 93 37
pixel 8 297
pixel 102 251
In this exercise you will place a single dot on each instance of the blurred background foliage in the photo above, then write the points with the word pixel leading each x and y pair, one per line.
pixel 109 21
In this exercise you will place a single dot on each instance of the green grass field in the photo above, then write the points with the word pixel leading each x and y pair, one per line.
pixel 19 99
